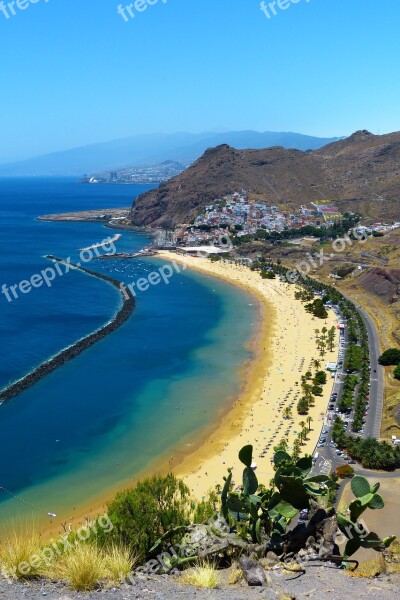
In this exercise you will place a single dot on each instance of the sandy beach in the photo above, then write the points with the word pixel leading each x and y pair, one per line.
pixel 284 350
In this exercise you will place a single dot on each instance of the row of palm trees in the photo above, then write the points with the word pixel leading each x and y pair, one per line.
pixel 298 443
pixel 325 339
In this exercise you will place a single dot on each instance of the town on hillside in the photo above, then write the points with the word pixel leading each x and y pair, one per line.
pixel 246 217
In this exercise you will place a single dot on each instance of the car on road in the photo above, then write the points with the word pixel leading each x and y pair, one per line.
pixel 303 516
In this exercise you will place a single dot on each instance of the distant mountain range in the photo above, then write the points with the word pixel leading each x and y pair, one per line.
pixel 155 148
pixel 360 173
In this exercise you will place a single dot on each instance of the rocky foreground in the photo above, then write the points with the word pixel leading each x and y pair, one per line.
pixel 318 582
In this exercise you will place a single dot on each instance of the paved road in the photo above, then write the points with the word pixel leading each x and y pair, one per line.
pixel 328 460
pixel 374 420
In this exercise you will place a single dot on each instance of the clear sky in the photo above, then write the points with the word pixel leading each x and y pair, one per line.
pixel 75 72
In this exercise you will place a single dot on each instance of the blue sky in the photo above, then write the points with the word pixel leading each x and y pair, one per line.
pixel 74 72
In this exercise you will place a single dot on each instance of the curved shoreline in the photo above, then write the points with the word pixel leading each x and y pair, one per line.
pixel 64 356
pixel 283 329
pixel 285 350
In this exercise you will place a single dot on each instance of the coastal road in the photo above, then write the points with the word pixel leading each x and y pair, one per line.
pixel 374 420
pixel 376 393
pixel 328 460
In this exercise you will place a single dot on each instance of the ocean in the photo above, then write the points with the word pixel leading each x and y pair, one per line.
pixel 129 401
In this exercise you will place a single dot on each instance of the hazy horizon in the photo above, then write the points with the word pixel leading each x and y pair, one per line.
pixel 80 75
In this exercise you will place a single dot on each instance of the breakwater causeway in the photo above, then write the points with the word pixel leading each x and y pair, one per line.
pixel 127 308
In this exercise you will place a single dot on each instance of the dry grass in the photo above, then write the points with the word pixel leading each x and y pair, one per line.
pixel 82 568
pixel 294 566
pixel 370 568
pixel 235 576
pixel 202 576
pixel 20 553
pixel 119 564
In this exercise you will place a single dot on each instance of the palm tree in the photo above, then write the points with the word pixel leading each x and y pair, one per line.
pixel 283 444
pixel 287 413
pixel 331 338
pixel 296 450
pixel 317 364
pixel 309 421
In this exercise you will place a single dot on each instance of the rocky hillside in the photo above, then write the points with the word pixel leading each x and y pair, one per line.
pixel 360 173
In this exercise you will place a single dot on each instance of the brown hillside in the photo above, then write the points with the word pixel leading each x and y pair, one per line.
pixel 360 173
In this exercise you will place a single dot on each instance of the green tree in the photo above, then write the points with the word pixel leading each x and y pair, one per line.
pixel 287 413
pixel 331 338
pixel 142 515
pixel 390 357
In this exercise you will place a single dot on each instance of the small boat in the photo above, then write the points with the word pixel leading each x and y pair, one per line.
pixel 52 514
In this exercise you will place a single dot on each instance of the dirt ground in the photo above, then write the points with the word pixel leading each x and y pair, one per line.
pixel 319 583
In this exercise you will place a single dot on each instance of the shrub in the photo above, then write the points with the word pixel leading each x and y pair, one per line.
pixel 345 471
pixel 268 275
pixel 396 372
pixel 320 378
pixel 390 357
pixel 303 406
pixel 206 509
pixel 144 514
pixel 317 390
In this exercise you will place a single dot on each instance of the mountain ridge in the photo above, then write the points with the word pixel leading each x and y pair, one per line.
pixel 360 173
pixel 151 148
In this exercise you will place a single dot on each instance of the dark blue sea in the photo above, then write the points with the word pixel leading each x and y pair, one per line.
pixel 143 393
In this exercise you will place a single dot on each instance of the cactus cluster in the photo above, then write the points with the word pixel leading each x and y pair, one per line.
pixel 358 537
pixel 265 513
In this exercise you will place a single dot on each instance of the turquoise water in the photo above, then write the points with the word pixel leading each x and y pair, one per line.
pixel 159 380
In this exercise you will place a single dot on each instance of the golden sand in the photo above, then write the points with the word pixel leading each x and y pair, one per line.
pixel 285 350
